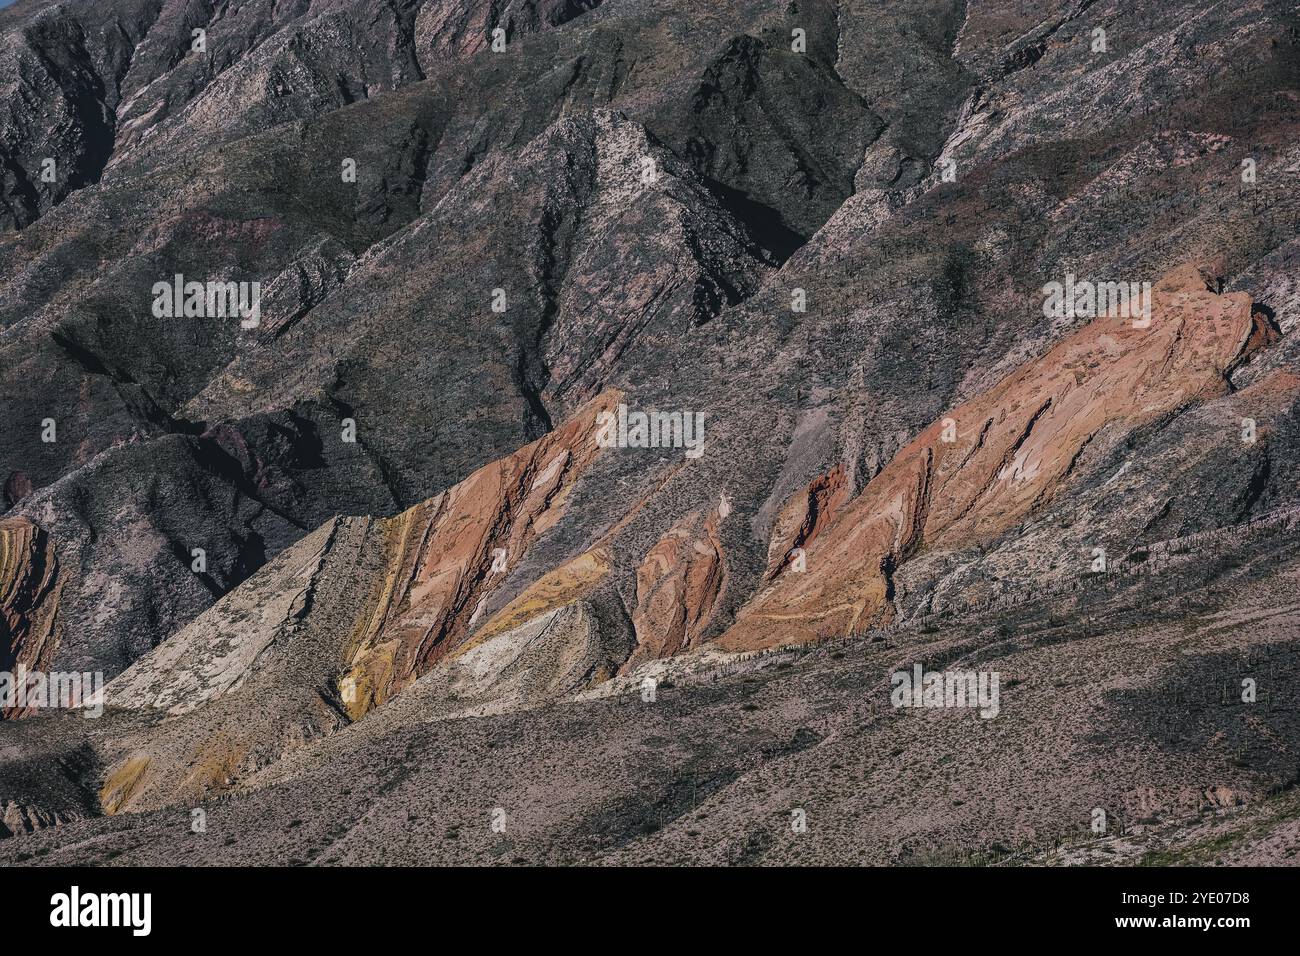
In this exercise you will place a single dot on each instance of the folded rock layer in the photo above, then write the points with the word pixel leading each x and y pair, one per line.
pixel 987 464
pixel 447 554
pixel 30 585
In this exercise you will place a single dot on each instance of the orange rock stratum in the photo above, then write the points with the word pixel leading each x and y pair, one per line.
pixel 1013 448
pixel 447 554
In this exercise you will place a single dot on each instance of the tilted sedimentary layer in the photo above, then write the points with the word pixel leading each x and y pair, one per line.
pixel 971 475
pixel 353 614
pixel 213 656
pixel 401 611
pixel 677 587
pixel 803 517
pixel 422 576
pixel 447 554
pixel 983 467
pixel 30 585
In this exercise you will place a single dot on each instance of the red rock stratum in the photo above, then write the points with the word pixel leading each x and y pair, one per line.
pixel 677 587
pixel 1010 450
pixel 447 554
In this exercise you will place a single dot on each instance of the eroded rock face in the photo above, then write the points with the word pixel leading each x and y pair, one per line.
pixel 30 586
pixel 691 257
pixel 991 461
pixel 781 128
pixel 357 611
pixel 449 28
pixel 558 652
pixel 16 819
pixel 804 517
pixel 140 566
pixel 214 655
pixel 677 588
pixel 447 554
pixel 127 75
pixel 243 685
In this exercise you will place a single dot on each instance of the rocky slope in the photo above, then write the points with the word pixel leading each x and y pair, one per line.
pixel 992 461
pixel 382 533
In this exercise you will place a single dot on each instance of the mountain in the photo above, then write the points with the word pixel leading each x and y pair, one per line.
pixel 637 396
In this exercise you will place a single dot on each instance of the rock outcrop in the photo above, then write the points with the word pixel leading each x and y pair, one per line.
pixel 446 28
pixel 30 586
pixel 446 555
pixel 991 461
pixel 554 654
pixel 804 517
pixel 677 589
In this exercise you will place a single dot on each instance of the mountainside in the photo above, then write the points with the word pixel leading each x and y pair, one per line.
pixel 611 401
